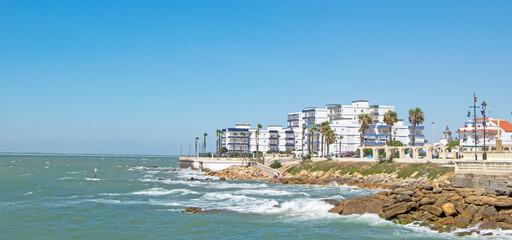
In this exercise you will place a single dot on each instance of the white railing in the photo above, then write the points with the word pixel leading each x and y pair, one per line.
pixel 484 167
pixel 267 170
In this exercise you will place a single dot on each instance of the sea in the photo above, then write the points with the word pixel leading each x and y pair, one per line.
pixel 58 197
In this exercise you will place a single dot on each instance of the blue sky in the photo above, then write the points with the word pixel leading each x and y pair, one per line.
pixel 148 76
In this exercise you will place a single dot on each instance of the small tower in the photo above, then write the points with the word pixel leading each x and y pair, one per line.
pixel 447 134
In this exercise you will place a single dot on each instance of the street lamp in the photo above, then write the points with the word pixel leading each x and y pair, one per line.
pixel 484 105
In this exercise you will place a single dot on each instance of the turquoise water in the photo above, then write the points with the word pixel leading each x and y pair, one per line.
pixel 57 197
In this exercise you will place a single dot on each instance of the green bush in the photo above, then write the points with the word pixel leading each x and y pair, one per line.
pixel 306 159
pixel 275 164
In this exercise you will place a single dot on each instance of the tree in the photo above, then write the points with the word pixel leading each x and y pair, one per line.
pixel 365 120
pixel 313 129
pixel 302 144
pixel 329 134
pixel 324 126
pixel 242 134
pixel 258 141
pixel 218 146
pixel 234 141
pixel 197 138
pixel 249 142
pixel 390 118
pixel 340 138
pixel 204 142
pixel 277 141
pixel 416 117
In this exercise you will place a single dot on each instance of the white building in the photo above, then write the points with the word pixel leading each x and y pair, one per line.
pixel 343 119
pixel 494 129
pixel 242 138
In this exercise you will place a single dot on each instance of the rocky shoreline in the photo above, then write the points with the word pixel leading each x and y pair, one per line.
pixel 415 199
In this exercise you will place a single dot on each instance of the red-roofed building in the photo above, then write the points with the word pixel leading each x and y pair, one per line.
pixel 494 128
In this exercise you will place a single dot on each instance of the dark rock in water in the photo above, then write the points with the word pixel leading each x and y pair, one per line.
pixel 222 179
pixel 193 210
pixel 161 179
pixel 276 206
pixel 174 170
pixel 331 201
pixel 153 167
pixel 166 170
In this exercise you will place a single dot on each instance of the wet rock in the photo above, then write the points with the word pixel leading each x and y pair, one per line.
pixel 161 179
pixel 222 179
pixel 338 209
pixel 331 201
pixel 461 222
pixel 361 205
pixel 193 210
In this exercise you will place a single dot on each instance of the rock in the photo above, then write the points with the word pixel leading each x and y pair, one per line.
pixel 444 221
pixel 489 213
pixel 479 192
pixel 428 187
pixel 461 222
pixel 410 193
pixel 222 179
pixel 338 209
pixel 489 225
pixel 360 205
pixel 397 209
pixel 193 210
pixel 403 198
pixel 437 190
pixel 426 200
pixel 331 201
pixel 161 179
pixel 504 226
pixel 276 206
pixel 469 212
pixel 449 209
pixel 433 209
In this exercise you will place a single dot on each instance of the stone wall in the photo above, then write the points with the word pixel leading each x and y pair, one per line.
pixel 477 181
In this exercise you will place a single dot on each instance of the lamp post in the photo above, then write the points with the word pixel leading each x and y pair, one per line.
pixel 484 105
pixel 433 139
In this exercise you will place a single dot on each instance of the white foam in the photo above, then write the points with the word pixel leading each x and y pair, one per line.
pixel 161 191
pixel 93 179
pixel 152 172
pixel 269 192
pixel 65 178
pixel 29 193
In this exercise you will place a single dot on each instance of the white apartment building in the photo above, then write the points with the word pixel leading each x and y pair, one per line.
pixel 494 129
pixel 242 138
pixel 343 119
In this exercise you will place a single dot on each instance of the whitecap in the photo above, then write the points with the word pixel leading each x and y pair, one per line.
pixel 161 191
pixel 65 178
pixel 93 179
pixel 29 193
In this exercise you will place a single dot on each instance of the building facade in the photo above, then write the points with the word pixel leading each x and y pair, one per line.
pixel 343 120
pixel 494 129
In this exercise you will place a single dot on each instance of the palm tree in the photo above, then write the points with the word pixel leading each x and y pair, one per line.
pixel 234 141
pixel 204 142
pixel 324 126
pixel 220 139
pixel 277 142
pixel 416 117
pixel 197 138
pixel 303 131
pixel 390 118
pixel 249 142
pixel 241 135
pixel 329 135
pixel 365 120
pixel 258 141
pixel 340 137
pixel 313 130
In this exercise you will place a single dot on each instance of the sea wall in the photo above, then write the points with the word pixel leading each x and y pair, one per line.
pixel 477 181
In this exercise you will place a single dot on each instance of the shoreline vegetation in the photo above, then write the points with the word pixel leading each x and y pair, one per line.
pixel 415 193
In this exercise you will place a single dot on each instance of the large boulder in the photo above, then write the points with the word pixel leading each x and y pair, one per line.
pixel 361 205
pixel 433 209
pixel 449 209
pixel 396 209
